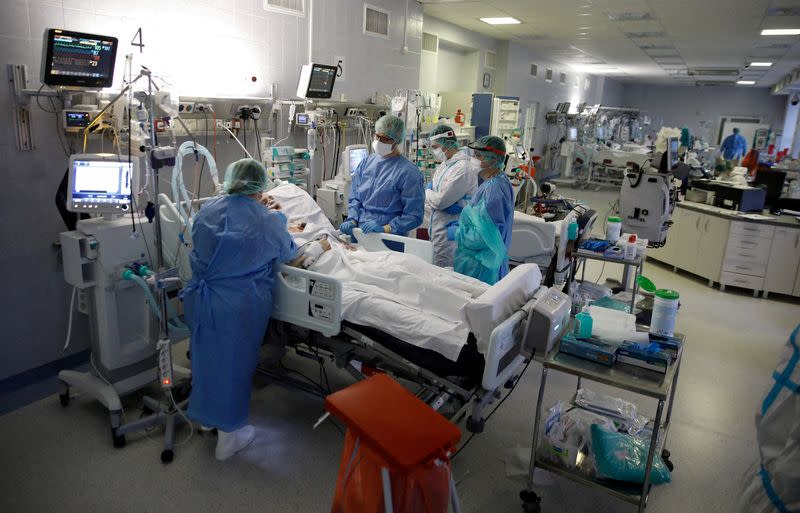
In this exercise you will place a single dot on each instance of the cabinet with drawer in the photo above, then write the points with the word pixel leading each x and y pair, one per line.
pixel 736 253
pixel 784 259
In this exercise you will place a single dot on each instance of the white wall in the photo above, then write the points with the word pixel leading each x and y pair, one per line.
pixel 202 47
pixel 612 93
pixel 700 108
pixel 472 80
pixel 520 83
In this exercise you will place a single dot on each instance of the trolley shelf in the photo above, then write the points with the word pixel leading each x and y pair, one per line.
pixel 628 492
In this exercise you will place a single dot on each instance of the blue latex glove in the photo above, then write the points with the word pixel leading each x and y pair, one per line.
pixel 370 227
pixel 429 186
pixel 452 228
pixel 453 209
pixel 347 227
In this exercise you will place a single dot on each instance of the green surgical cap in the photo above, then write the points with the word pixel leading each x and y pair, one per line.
pixel 447 142
pixel 484 146
pixel 244 177
pixel 392 127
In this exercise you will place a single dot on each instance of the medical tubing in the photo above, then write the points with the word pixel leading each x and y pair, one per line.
pixel 174 320
pixel 69 324
pixel 237 140
pixel 178 186
pixel 148 294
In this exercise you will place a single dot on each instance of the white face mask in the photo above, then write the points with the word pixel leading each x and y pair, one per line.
pixel 476 164
pixel 439 154
pixel 382 148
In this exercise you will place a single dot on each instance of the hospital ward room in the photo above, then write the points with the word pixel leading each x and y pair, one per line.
pixel 433 256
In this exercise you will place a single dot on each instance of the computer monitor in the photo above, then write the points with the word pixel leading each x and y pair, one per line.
pixel 316 81
pixel 353 155
pixel 773 181
pixel 76 59
pixel 673 145
pixel 101 183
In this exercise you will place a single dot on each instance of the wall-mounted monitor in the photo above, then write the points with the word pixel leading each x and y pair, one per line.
pixel 316 81
pixel 76 59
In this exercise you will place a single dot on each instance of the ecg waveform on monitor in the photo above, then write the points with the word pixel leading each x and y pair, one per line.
pixel 79 57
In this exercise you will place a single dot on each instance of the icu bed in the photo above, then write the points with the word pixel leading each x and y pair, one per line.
pixel 504 323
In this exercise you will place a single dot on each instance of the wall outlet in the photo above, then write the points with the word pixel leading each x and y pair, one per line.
pixel 186 107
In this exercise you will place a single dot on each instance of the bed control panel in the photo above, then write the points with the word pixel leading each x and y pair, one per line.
pixel 308 299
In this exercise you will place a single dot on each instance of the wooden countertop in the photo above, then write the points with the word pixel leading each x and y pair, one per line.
pixel 782 221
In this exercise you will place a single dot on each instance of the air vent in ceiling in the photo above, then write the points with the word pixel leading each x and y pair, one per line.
pixel 643 35
pixel 713 83
pixel 783 11
pixel 430 42
pixel 714 72
pixel 562 77
pixel 534 70
pixel 657 46
pixel 630 16
pixel 775 46
pixel 548 76
pixel 376 21
pixel 491 59
pixel 296 7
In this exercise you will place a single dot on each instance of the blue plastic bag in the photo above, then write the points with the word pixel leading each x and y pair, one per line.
pixel 623 457
pixel 481 250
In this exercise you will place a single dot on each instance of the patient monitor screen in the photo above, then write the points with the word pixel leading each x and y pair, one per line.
pixel 356 156
pixel 101 184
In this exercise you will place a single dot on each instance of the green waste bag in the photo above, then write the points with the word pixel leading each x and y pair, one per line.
pixel 481 250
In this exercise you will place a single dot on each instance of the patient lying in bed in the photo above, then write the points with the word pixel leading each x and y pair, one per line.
pixel 397 293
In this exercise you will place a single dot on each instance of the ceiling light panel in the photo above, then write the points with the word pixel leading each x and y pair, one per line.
pixel 746 82
pixel 761 64
pixel 501 21
pixel 656 46
pixel 781 32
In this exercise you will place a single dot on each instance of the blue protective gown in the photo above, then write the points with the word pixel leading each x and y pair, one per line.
pixel 387 191
pixel 734 147
pixel 498 195
pixel 228 301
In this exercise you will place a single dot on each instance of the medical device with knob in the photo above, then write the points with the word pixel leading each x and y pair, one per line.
pixel 646 202
pixel 333 195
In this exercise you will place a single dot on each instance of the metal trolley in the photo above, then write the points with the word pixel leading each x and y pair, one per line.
pixel 662 390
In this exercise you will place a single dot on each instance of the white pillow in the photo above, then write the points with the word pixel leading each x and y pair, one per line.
pixel 484 313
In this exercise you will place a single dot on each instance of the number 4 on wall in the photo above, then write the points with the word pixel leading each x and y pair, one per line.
pixel 138 35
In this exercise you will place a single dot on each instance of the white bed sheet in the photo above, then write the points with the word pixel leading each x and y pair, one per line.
pixel 396 293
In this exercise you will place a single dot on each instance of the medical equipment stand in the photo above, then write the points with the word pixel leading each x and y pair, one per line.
pixel 663 391
pixel 637 263
pixel 169 414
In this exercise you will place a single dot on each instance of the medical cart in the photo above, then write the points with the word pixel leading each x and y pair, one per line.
pixel 663 390
pixel 636 264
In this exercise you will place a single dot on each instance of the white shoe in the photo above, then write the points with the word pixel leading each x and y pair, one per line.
pixel 229 444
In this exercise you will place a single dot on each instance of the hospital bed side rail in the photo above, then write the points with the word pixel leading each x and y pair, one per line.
pixel 378 242
pixel 308 299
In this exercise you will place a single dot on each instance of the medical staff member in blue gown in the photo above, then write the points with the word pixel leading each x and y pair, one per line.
pixel 494 189
pixel 387 192
pixel 237 244
pixel 734 146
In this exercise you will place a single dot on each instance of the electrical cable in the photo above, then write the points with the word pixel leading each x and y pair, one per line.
pixel 69 324
pixel 258 140
pixel 465 444
pixel 237 140
pixel 180 412
pixel 244 135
